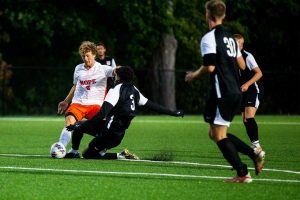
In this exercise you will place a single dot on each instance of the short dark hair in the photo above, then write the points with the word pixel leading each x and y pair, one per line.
pixel 101 44
pixel 125 73
pixel 216 9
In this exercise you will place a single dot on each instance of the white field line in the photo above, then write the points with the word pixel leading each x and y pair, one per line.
pixel 211 165
pixel 166 162
pixel 200 121
pixel 135 173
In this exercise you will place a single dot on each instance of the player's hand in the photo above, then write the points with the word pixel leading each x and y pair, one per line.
pixel 189 76
pixel 178 113
pixel 73 127
pixel 244 88
pixel 62 107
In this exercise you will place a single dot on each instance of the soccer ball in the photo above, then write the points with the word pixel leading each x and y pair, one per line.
pixel 58 150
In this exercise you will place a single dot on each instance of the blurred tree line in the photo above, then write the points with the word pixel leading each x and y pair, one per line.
pixel 39 42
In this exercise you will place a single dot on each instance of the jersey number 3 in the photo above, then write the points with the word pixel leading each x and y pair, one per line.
pixel 230 44
pixel 132 106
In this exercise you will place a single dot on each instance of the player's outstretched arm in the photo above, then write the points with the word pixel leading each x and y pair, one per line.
pixel 160 109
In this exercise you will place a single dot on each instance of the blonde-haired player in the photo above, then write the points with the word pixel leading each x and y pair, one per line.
pixel 88 92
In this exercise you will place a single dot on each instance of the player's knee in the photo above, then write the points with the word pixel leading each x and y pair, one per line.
pixel 210 134
pixel 70 119
pixel 216 137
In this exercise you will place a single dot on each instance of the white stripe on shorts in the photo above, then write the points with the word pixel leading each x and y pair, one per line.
pixel 219 120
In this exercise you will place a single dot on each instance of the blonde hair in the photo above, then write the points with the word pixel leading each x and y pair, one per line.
pixel 87 46
pixel 240 40
pixel 238 36
pixel 216 9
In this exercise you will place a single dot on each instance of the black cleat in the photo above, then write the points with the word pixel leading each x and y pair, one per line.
pixel 72 155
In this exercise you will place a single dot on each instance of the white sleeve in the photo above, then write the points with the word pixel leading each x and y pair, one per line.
pixel 250 62
pixel 143 100
pixel 208 44
pixel 113 63
pixel 108 70
pixel 113 95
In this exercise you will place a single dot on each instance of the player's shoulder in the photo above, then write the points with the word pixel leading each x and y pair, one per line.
pixel 115 90
pixel 126 85
pixel 247 53
pixel 100 67
pixel 103 66
pixel 79 67
pixel 128 88
pixel 209 36
pixel 97 64
pixel 222 32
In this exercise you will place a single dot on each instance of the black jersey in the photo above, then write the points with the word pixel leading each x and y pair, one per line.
pixel 110 62
pixel 107 61
pixel 124 98
pixel 219 48
pixel 248 73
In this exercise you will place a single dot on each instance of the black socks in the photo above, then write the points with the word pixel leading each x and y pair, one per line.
pixel 76 139
pixel 252 129
pixel 241 146
pixel 231 155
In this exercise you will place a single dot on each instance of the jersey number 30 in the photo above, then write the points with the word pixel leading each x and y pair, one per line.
pixel 230 44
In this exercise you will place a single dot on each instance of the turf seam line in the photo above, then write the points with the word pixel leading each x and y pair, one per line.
pixel 136 173
pixel 145 121
pixel 164 162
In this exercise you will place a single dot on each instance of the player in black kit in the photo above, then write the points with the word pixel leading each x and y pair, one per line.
pixel 253 90
pixel 104 59
pixel 221 58
pixel 108 126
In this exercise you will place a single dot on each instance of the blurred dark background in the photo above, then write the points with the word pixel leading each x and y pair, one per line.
pixel 39 42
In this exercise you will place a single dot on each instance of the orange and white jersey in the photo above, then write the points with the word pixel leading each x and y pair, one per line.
pixel 91 83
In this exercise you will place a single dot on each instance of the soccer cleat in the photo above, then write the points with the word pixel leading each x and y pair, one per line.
pixel 240 179
pixel 73 155
pixel 259 152
pixel 129 155
pixel 259 160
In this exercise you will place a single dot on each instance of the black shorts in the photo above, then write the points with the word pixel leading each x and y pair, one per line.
pixel 106 141
pixel 107 138
pixel 101 143
pixel 225 107
pixel 251 99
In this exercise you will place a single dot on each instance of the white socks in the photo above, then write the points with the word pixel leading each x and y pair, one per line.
pixel 103 152
pixel 65 137
pixel 73 151
pixel 120 156
pixel 256 144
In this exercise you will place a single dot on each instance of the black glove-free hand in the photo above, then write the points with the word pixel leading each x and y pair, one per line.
pixel 179 113
pixel 74 127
